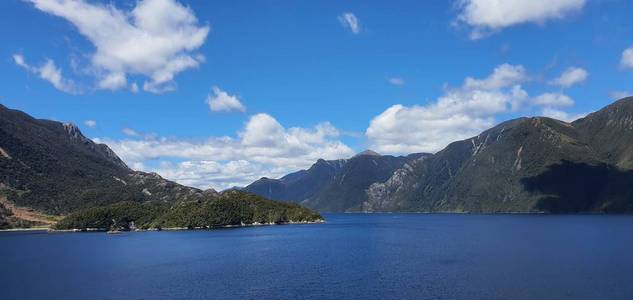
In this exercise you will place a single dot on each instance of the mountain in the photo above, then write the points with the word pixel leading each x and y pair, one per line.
pixel 333 185
pixel 52 167
pixel 524 165
pixel 48 169
pixel 534 164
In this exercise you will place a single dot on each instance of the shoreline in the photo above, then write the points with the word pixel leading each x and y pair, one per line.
pixel 50 230
pixel 25 229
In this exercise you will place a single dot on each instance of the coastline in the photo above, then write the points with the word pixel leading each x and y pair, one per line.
pixel 25 229
pixel 51 230
pixel 539 213
pixel 231 226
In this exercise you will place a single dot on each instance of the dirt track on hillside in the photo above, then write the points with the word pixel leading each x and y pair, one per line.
pixel 25 213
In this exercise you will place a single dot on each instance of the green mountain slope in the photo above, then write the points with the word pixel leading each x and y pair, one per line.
pixel 52 168
pixel 523 165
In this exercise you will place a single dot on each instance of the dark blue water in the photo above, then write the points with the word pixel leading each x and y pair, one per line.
pixel 351 256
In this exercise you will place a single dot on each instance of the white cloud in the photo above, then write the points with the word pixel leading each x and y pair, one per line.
pixel 213 174
pixel 396 81
pixel 19 60
pixel 560 115
pixel 129 132
pixel 90 123
pixel 617 95
pixel 49 72
pixel 351 22
pixel 627 58
pixel 553 100
pixel 113 81
pixel 263 148
pixel 156 39
pixel 262 130
pixel 458 114
pixel 139 166
pixel 485 17
pixel 222 101
pixel 503 76
pixel 570 77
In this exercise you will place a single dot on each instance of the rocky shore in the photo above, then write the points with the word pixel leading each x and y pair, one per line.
pixel 51 230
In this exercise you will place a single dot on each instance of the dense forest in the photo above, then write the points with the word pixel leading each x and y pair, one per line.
pixel 230 208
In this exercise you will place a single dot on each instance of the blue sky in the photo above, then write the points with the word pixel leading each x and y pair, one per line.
pixel 219 93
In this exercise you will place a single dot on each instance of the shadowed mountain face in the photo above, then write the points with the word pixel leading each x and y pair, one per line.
pixel 334 185
pixel 574 187
pixel 523 165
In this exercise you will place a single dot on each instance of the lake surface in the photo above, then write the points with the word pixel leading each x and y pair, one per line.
pixel 372 256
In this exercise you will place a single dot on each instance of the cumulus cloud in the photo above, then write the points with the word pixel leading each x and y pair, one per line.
pixel 114 81
pixel 551 105
pixel 49 72
pixel 130 132
pixel 503 76
pixel 396 81
pixel 262 148
pixel 560 115
pixel 350 21
pixel 156 39
pixel 90 123
pixel 627 58
pixel 213 174
pixel 553 100
pixel 617 95
pixel 222 101
pixel 459 113
pixel 570 77
pixel 486 17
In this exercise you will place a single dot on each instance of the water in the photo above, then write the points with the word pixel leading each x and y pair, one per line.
pixel 379 256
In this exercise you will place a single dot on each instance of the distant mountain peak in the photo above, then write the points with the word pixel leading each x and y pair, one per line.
pixel 368 153
pixel 73 132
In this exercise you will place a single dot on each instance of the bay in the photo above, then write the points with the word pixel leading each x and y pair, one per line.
pixel 351 256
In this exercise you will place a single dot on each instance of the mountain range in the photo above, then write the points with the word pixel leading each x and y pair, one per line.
pixel 334 185
pixel 533 164
pixel 49 169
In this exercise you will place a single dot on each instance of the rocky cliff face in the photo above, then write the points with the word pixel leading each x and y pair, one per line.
pixel 75 136
pixel 524 165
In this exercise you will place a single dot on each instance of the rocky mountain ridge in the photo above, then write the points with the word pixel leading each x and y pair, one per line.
pixel 519 165
pixel 333 185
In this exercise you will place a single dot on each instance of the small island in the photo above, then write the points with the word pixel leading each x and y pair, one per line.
pixel 229 209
